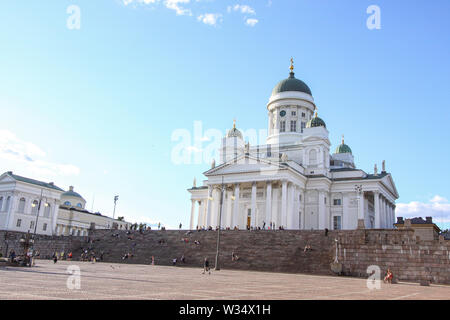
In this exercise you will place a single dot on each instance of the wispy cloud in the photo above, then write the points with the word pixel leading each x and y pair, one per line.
pixel 251 22
pixel 438 207
pixel 210 18
pixel 175 5
pixel 30 156
pixel 185 8
pixel 242 8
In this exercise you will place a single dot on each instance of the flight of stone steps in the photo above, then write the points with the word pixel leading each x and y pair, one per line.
pixel 264 250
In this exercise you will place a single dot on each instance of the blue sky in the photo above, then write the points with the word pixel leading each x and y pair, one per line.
pixel 97 107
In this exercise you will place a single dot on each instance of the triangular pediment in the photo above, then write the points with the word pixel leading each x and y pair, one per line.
pixel 5 178
pixel 389 183
pixel 245 164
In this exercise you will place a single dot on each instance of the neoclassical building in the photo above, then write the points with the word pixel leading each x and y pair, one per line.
pixel 60 212
pixel 293 181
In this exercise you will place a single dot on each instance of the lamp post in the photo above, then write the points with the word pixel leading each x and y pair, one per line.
pixel 37 213
pixel 115 201
pixel 220 225
pixel 359 192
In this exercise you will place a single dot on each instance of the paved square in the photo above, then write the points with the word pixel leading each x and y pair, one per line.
pixel 126 281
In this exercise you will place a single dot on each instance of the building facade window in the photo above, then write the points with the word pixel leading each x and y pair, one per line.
pixel 19 222
pixel 337 223
pixel 303 125
pixel 337 202
pixel 303 115
pixel 293 126
pixel 22 202
pixel 47 210
pixel 79 205
pixel 282 126
pixel 294 113
pixel 34 207
pixel 31 224
pixel 1 203
pixel 8 201
pixel 44 227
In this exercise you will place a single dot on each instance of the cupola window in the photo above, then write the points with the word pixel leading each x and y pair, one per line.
pixel 293 126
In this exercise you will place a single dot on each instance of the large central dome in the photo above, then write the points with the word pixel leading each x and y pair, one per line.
pixel 291 84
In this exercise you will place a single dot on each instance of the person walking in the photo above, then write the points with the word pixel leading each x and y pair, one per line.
pixel 206 266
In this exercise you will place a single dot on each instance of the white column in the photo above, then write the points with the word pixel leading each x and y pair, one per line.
pixel 387 212
pixel 393 213
pixel 209 208
pixel 390 215
pixel 290 215
pixel 303 209
pixel 321 212
pixel 284 203
pixel 275 216
pixel 345 212
pixel 296 217
pixel 376 202
pixel 222 222
pixel 236 207
pixel 253 217
pixel 215 208
pixel 191 223
pixel 205 213
pixel 199 215
pixel 268 204
pixel 361 206
pixel 229 210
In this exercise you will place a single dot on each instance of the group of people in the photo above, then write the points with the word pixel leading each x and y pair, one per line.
pixel 271 227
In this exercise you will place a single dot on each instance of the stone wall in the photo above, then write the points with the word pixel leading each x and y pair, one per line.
pixel 409 258
pixel 46 245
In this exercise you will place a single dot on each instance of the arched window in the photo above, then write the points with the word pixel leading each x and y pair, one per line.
pixel 47 210
pixel 79 205
pixel 1 203
pixel 8 201
pixel 67 203
pixel 22 205
pixel 34 207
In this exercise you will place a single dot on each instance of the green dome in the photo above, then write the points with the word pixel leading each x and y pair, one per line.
pixel 233 132
pixel 316 122
pixel 291 84
pixel 343 148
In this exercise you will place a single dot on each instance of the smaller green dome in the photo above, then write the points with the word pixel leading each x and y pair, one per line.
pixel 234 132
pixel 343 148
pixel 316 122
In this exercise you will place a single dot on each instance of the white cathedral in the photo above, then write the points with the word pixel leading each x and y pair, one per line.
pixel 291 182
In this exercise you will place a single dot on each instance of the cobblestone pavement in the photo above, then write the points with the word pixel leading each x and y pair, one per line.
pixel 125 281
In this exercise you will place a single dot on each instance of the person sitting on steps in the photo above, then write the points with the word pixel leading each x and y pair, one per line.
pixel 389 276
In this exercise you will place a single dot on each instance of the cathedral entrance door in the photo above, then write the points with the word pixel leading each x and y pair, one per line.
pixel 249 218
